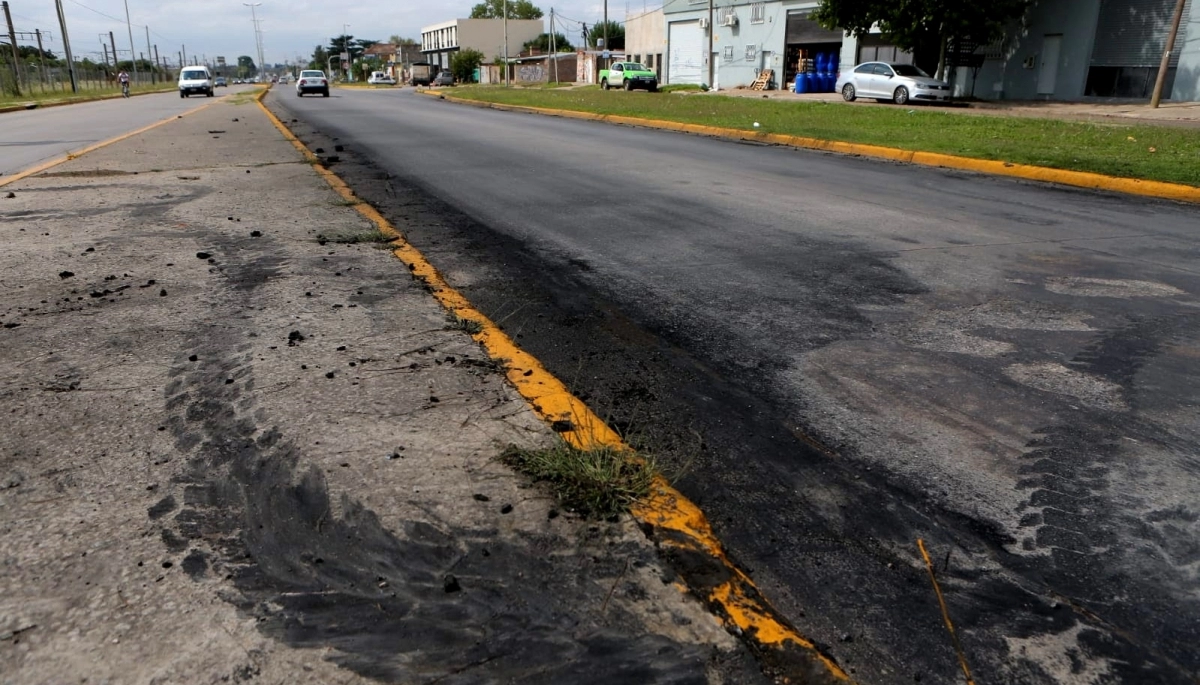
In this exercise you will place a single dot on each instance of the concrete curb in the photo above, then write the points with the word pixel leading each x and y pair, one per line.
pixel 1079 179
pixel 60 103
pixel 673 522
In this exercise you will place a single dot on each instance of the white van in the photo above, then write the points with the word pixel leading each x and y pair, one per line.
pixel 195 80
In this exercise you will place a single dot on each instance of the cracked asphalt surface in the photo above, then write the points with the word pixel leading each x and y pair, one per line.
pixel 232 452
pixel 842 356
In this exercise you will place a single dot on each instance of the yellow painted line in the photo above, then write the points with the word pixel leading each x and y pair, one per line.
pixel 737 601
pixel 1079 179
pixel 91 148
pixel 937 589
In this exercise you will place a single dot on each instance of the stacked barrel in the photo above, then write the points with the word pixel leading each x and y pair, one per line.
pixel 817 75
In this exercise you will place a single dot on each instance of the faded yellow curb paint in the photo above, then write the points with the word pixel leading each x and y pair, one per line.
pixel 105 143
pixel 737 602
pixel 1080 179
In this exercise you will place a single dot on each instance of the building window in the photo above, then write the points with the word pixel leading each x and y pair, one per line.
pixel 751 53
pixel 758 12
pixel 728 53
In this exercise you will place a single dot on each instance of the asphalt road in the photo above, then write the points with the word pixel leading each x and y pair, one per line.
pixel 30 137
pixel 841 356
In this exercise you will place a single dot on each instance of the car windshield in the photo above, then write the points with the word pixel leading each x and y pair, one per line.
pixel 195 74
pixel 312 74
pixel 634 66
pixel 907 70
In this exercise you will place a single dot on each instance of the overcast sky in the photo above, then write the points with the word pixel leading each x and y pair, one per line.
pixel 290 29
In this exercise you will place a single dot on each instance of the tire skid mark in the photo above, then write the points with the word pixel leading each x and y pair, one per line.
pixel 257 516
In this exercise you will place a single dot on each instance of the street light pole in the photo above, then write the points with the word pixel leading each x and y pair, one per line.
pixel 257 38
pixel 709 56
pixel 346 50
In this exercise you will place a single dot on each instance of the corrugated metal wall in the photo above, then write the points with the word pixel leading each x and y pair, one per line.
pixel 1133 33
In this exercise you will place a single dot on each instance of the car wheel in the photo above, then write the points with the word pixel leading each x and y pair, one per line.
pixel 653 89
pixel 629 85
pixel 848 93
pixel 299 94
pixel 604 84
pixel 181 94
pixel 900 97
pixel 325 94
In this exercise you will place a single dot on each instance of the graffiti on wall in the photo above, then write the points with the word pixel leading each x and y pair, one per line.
pixel 531 73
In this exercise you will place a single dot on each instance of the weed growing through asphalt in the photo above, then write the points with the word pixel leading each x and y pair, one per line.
pixel 601 482
pixel 458 323
pixel 376 236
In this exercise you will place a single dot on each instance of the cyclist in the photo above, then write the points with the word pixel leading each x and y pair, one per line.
pixel 123 78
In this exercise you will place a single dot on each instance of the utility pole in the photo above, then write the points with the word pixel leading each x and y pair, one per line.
pixel 112 39
pixel 62 24
pixel 159 63
pixel 105 53
pixel 183 55
pixel 606 49
pixel 1161 79
pixel 553 50
pixel 257 33
pixel 507 77
pixel 41 57
pixel 709 56
pixel 132 47
pixel 12 41
pixel 148 53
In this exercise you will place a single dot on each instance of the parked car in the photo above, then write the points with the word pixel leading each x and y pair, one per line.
pixel 380 78
pixel 898 83
pixel 444 78
pixel 628 75
pixel 312 81
pixel 220 81
pixel 421 74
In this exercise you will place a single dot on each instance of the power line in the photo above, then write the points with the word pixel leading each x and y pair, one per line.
pixel 122 21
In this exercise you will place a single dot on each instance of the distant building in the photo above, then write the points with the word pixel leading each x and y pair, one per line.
pixel 440 41
pixel 1062 49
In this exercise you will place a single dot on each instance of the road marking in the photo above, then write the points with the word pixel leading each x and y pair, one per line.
pixel 737 602
pixel 96 146
pixel 1079 179
pixel 962 657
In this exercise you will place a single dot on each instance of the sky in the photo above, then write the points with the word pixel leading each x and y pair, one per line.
pixel 290 29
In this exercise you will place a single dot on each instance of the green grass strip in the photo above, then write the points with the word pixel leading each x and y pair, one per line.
pixel 1143 151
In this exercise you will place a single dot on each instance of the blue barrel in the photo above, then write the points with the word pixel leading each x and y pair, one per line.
pixel 802 83
pixel 819 83
pixel 831 64
pixel 820 61
pixel 830 82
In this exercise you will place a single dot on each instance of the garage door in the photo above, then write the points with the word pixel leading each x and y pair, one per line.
pixel 686 43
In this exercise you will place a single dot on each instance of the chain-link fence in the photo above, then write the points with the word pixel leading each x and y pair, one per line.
pixel 39 78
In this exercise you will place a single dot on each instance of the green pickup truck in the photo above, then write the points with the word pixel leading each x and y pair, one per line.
pixel 628 75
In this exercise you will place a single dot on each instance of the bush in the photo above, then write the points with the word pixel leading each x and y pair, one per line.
pixel 464 63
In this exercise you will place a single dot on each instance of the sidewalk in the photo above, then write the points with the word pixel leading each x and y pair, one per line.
pixel 236 451
pixel 1183 114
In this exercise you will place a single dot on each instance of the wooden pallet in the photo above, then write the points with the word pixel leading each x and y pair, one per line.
pixel 763 80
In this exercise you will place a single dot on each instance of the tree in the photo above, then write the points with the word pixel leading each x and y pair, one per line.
pixel 616 36
pixel 494 9
pixel 542 43
pixel 403 42
pixel 922 25
pixel 320 59
pixel 464 63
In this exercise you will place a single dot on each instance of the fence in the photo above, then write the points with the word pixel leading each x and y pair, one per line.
pixel 37 79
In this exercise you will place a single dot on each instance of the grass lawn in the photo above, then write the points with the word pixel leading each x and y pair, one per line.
pixel 1131 150
pixel 83 95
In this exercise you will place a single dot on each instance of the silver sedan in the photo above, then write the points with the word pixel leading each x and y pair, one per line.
pixel 899 83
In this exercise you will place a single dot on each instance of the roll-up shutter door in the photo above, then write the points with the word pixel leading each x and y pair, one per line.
pixel 1133 33
pixel 686 62
pixel 802 29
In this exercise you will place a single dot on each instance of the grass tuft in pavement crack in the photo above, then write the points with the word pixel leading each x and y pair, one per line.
pixel 375 236
pixel 600 483
pixel 458 323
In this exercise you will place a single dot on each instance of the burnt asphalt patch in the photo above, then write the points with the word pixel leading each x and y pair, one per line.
pixel 824 532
